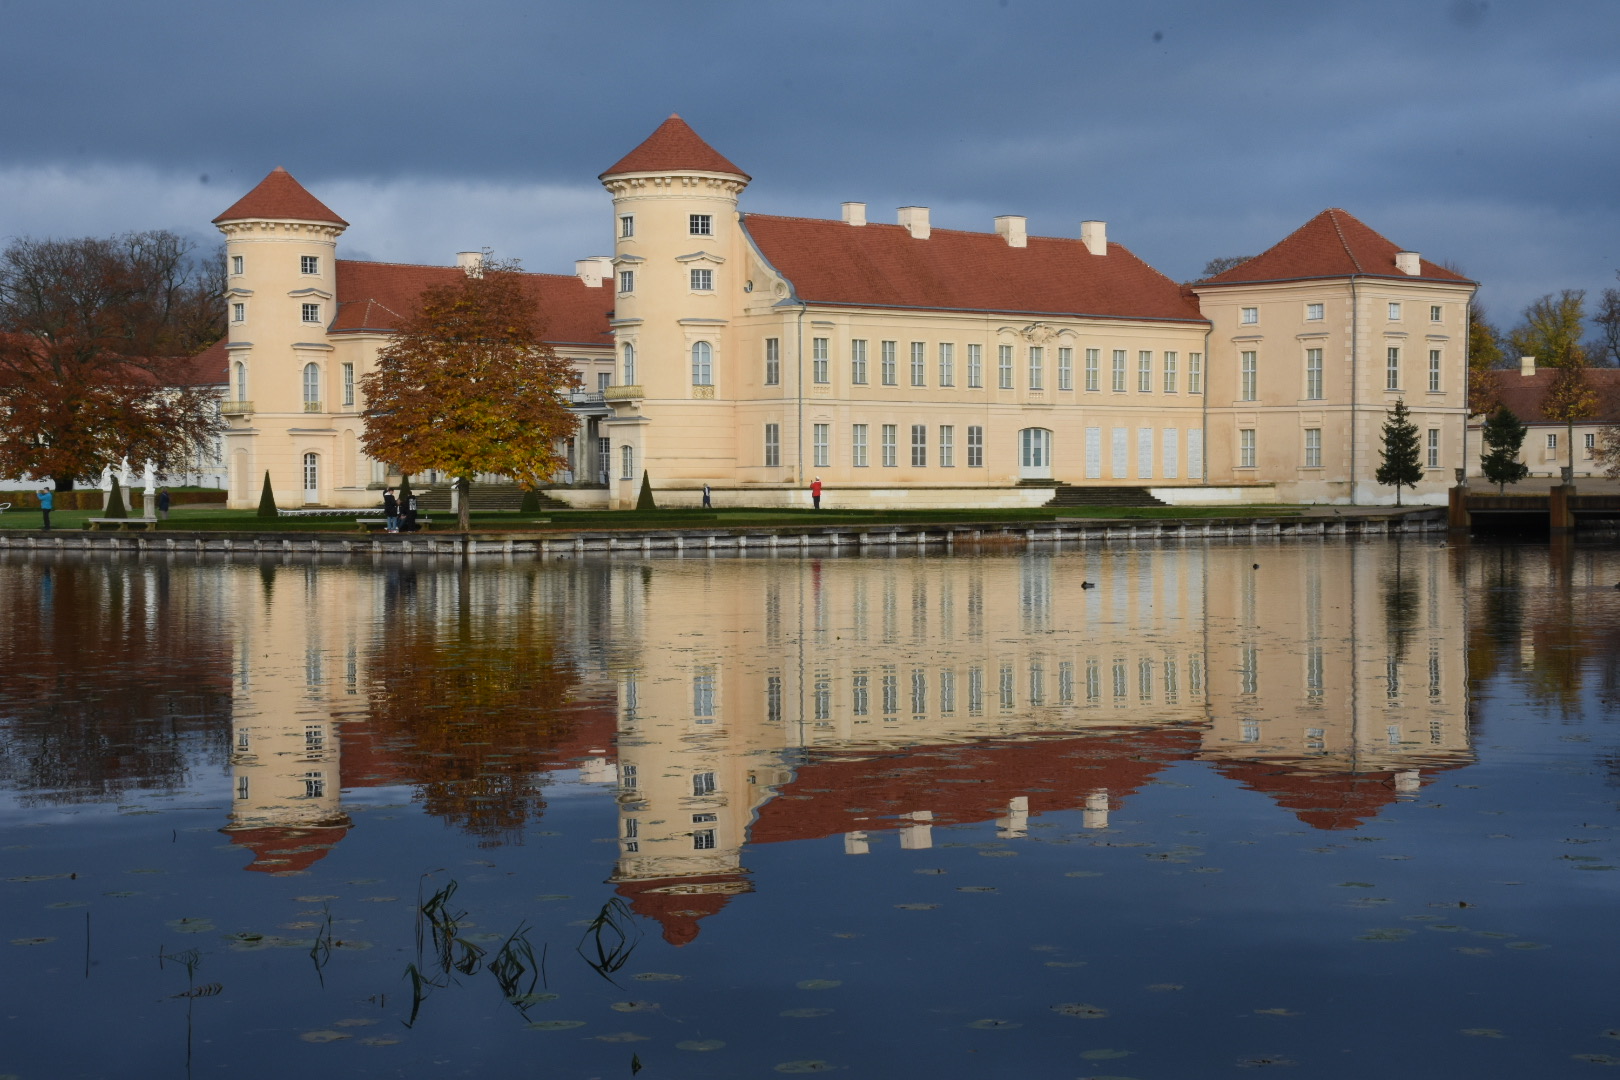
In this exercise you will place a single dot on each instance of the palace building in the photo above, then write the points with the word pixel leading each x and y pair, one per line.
pixel 902 364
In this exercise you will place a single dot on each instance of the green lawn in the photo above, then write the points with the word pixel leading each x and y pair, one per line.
pixel 216 519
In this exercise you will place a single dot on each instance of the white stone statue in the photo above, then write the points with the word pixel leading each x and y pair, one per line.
pixel 124 474
pixel 149 477
pixel 106 478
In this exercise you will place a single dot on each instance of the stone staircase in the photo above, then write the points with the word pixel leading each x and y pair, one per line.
pixel 1083 497
pixel 484 497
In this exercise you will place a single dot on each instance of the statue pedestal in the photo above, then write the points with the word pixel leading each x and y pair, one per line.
pixel 149 507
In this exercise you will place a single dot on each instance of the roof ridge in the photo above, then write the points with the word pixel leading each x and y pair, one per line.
pixel 1333 216
pixel 442 266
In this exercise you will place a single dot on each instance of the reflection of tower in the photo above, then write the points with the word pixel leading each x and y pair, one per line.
pixel 285 754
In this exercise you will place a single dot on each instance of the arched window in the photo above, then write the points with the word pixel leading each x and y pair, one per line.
pixel 241 381
pixel 312 388
pixel 629 365
pixel 702 364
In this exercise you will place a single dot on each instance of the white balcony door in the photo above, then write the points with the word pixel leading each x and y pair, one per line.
pixel 312 478
pixel 1035 454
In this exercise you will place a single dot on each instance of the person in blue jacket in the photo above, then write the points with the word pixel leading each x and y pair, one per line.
pixel 47 502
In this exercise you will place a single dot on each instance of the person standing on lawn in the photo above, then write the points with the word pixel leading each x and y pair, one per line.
pixel 47 502
pixel 410 513
pixel 163 501
pixel 391 510
pixel 815 493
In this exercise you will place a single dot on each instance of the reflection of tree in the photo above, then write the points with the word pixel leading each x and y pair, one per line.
pixel 1494 635
pixel 116 679
pixel 1401 603
pixel 471 706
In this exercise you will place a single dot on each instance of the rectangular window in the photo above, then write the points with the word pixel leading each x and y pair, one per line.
pixel 975 364
pixel 1170 372
pixel 627 225
pixel 627 462
pixel 1249 371
pixel 820 438
pixel 975 447
pixel 1394 311
pixel 889 374
pixel 857 362
pixel 1144 372
pixel 1435 313
pixel 1392 368
pixel 1313 374
pixel 1093 360
pixel 703 783
pixel 1590 440
pixel 919 363
pixel 1195 373
pixel 309 264
pixel 1434 448
pixel 627 281
pixel 348 384
pixel 1434 371
pixel 857 445
pixel 773 446
pixel 1065 369
pixel 1037 368
pixel 1250 316
pixel 1552 441
pixel 1313 448
pixel 860 694
pixel 919 446
pixel 312 313
pixel 891 447
pixel 773 361
pixel 1313 312
pixel 604 379
pixel 237 264
pixel 1004 367
pixel 703 692
pixel 1118 373
pixel 820 371
pixel 1246 448
pixel 700 224
pixel 947 446
pixel 702 280
pixel 947 364
pixel 238 313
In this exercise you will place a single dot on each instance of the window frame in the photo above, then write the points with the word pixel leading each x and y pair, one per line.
pixel 1437 313
pixel 1172 359
pixel 627 226
pixel 627 282
pixel 1144 371
pixel 1249 375
pixel 1248 450
pixel 1093 371
pixel 773 361
pixel 821 445
pixel 975 367
pixel 1313 448
pixel 239 312
pixel 919 446
pixel 975 446
pixel 1117 371
pixel 821 361
pixel 1392 367
pixel 310 313
pixel 1435 368
pixel 1431 449
pixel 1315 385
pixel 700 279
pixel 1249 316
pixel 947 446
pixel 702 357
pixel 772 445
pixel 1316 312
pixel 890 445
pixel 857 361
pixel 309 265
pixel 1195 373
pixel 946 351
pixel 348 384
pixel 700 224
pixel 857 446
pixel 889 363
pixel 1394 311
pixel 1065 367
pixel 1004 367
pixel 919 363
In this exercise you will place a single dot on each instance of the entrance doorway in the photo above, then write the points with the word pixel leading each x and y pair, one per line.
pixel 1035 454
pixel 312 478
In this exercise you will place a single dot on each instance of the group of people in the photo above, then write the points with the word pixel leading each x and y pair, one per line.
pixel 47 503
pixel 401 517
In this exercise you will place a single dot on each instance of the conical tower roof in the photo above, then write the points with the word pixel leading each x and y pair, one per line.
pixel 674 147
pixel 278 197
pixel 1334 243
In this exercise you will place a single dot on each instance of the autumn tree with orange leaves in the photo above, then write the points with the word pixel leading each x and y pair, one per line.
pixel 467 385
pixel 97 339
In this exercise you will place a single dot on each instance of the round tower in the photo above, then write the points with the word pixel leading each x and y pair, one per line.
pixel 676 251
pixel 281 294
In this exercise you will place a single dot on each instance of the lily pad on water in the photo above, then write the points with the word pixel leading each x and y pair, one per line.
pixel 916 907
pixel 1385 933
pixel 355 1022
pixel 994 1025
pixel 621 1037
pixel 819 984
pixel 1081 1010
pixel 1484 1033
pixel 67 904
pixel 1597 1059
pixel 554 896
pixel 1276 1012
pixel 1163 987
pixel 810 1066
pixel 1525 945
pixel 323 1036
pixel 657 976
pixel 700 1044
pixel 532 999
pixel 316 899
pixel 32 940
pixel 976 888
pixel 554 1025
pixel 379 1040
pixel 804 1014
pixel 1263 1062
pixel 634 1006
pixel 191 925
pixel 1084 873
pixel 930 870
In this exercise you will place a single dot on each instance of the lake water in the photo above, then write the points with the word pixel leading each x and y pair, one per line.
pixel 1335 809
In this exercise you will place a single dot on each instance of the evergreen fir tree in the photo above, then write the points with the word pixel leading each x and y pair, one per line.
pixel 115 502
pixel 1503 436
pixel 404 494
pixel 645 500
pixel 1402 465
pixel 267 500
pixel 531 502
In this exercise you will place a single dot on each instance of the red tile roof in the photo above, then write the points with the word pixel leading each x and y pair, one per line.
pixel 674 147
pixel 1524 394
pixel 1321 800
pixel 278 197
pixel 277 849
pixel 678 903
pixel 1332 244
pixel 830 262
pixel 207 368
pixel 376 296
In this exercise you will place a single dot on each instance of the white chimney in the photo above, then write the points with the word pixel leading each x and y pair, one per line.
pixel 1094 234
pixel 472 262
pixel 1527 366
pixel 1014 229
pixel 915 219
pixel 1409 262
pixel 854 213
pixel 594 270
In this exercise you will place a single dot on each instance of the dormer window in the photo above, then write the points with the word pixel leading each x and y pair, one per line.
pixel 309 264
pixel 701 224
pixel 237 263
pixel 312 313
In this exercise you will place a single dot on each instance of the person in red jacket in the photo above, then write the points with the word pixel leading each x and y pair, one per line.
pixel 815 493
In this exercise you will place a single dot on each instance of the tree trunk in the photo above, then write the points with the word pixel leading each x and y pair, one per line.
pixel 63 483
pixel 463 510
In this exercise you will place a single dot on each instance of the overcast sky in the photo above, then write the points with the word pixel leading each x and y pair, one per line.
pixel 1482 134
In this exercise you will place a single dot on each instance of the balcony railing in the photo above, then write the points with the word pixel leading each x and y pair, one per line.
pixel 585 397
pixel 313 406
pixel 235 408
pixel 622 393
